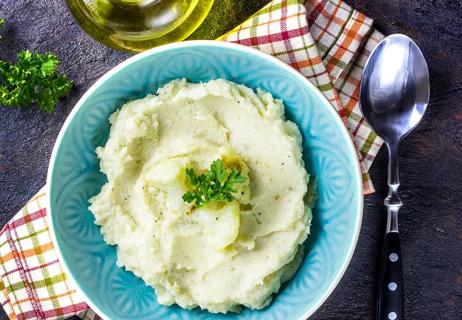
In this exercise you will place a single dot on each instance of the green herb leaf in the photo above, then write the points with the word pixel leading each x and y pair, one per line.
pixel 217 184
pixel 32 79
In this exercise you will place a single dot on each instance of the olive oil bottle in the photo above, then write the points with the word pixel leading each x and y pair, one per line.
pixel 137 25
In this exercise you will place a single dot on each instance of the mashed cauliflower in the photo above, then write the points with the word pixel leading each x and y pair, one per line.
pixel 223 255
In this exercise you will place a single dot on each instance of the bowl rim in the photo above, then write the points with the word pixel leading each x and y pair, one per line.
pixel 224 45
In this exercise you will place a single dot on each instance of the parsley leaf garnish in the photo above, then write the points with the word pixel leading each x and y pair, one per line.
pixel 32 79
pixel 216 184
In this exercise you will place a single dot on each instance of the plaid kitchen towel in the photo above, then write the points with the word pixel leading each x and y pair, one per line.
pixel 326 40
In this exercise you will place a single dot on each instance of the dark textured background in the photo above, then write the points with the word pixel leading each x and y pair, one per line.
pixel 431 158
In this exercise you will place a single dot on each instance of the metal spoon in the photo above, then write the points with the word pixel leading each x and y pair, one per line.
pixel 394 96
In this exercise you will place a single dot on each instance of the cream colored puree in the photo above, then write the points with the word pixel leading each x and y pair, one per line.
pixel 223 255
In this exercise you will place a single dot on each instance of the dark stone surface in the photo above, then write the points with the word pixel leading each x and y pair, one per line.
pixel 431 158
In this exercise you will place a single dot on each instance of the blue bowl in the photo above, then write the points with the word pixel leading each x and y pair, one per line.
pixel 74 177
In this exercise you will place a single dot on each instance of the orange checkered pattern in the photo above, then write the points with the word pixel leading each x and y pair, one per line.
pixel 325 40
pixel 33 284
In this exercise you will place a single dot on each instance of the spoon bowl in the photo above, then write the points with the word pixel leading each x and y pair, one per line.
pixel 395 88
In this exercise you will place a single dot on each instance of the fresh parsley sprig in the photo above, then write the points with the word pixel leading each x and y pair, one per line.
pixel 216 184
pixel 32 79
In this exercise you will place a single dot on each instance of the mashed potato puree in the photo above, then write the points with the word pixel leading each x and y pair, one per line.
pixel 220 256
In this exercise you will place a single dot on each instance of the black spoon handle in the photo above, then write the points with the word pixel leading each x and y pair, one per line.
pixel 390 302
